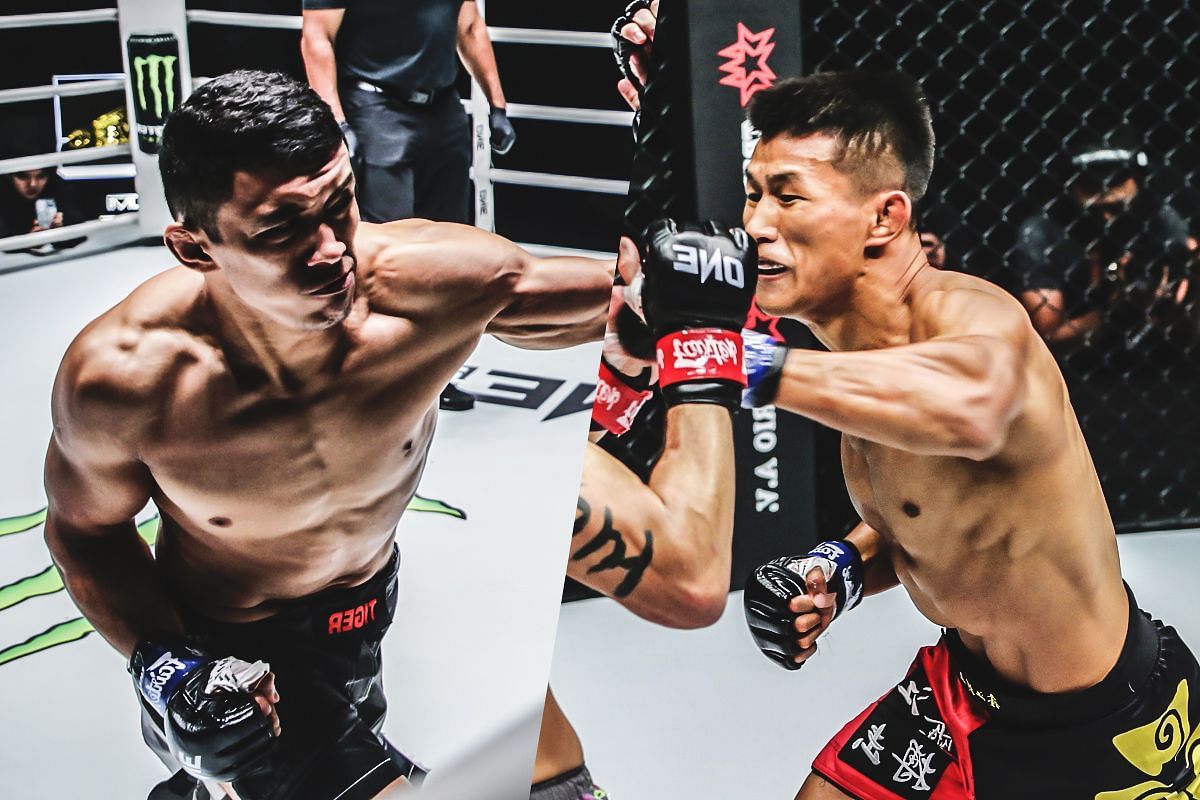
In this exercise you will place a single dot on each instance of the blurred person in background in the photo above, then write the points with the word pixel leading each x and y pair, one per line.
pixel 1108 250
pixel 1105 272
pixel 36 200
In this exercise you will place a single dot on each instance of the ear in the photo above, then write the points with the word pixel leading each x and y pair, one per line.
pixel 188 248
pixel 892 212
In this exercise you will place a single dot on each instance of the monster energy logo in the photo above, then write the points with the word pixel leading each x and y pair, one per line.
pixel 143 65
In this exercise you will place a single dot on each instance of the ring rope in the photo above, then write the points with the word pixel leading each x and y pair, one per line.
pixel 545 180
pixel 83 156
pixel 66 232
pixel 58 18
pixel 25 93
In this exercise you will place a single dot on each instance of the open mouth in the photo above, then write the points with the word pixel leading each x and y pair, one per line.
pixel 333 287
pixel 339 283
pixel 770 269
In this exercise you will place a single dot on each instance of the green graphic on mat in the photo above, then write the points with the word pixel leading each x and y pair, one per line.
pixel 49 581
pixel 22 523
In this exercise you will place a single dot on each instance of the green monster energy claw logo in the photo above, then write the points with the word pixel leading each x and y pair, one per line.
pixel 143 65
pixel 49 581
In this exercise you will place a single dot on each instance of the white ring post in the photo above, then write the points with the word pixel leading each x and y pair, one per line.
pixel 149 17
pixel 481 152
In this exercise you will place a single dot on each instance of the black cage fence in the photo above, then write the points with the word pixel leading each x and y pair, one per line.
pixel 1066 171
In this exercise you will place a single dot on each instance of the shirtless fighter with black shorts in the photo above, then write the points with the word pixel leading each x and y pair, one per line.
pixel 275 396
pixel 976 490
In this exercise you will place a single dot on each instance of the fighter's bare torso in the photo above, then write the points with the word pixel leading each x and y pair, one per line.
pixel 1016 550
pixel 274 484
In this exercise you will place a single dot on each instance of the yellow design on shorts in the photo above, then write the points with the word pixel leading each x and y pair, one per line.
pixel 1152 746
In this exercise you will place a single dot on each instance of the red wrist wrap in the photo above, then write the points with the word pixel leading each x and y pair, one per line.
pixel 700 354
pixel 617 403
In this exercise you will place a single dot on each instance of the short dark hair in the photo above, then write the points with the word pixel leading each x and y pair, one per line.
pixel 244 120
pixel 880 120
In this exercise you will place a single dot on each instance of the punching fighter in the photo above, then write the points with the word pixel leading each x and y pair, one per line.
pixel 662 548
pixel 964 458
pixel 275 396
pixel 976 490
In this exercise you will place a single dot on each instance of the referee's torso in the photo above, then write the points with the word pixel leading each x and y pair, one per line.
pixel 401 46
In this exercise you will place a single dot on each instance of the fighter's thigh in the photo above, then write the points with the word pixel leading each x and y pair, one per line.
pixel 355 765
pixel 817 788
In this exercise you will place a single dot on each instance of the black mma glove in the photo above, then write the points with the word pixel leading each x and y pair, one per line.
pixel 697 285
pixel 503 135
pixel 212 723
pixel 771 588
pixel 624 50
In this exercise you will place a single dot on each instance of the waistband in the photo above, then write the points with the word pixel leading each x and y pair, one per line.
pixel 416 97
pixel 337 610
pixel 1005 700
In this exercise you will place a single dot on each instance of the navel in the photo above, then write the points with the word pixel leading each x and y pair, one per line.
pixel 911 508
pixel 220 522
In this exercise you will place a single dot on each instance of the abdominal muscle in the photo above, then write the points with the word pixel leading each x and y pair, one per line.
pixel 1041 622
pixel 278 553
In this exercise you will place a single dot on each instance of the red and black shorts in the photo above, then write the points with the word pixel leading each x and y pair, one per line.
pixel 954 730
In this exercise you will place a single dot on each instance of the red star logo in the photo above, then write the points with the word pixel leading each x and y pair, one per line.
pixel 756 46
pixel 761 321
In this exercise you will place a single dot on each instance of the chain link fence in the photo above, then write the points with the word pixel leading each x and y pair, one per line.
pixel 1067 172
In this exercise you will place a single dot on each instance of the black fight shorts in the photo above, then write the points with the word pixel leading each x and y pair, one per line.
pixel 954 730
pixel 326 655
pixel 574 785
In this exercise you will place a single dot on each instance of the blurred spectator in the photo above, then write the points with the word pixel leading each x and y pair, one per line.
pixel 935 249
pixel 387 69
pixel 1104 271
pixel 36 200
pixel 1107 252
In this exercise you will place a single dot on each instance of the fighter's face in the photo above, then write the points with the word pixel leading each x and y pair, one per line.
pixel 287 244
pixel 30 184
pixel 810 221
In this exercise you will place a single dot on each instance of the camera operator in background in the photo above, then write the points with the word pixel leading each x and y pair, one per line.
pixel 1105 272
pixel 1108 256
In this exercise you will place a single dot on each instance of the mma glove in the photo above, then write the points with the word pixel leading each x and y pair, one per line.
pixel 697 285
pixel 212 723
pixel 623 49
pixel 771 588
pixel 503 135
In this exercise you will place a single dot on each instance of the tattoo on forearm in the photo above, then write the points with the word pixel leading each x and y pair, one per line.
pixel 634 566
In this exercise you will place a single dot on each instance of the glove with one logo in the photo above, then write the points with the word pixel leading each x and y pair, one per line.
pixel 697 284
pixel 771 588
pixel 213 724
